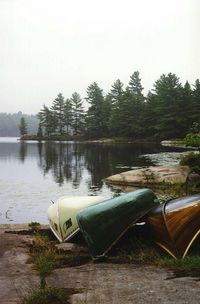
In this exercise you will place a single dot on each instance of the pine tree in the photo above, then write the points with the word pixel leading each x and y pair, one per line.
pixel 116 91
pixel 116 97
pixel 23 127
pixel 68 114
pixel 47 120
pixel 168 97
pixel 95 117
pixel 195 106
pixel 78 115
pixel 135 86
pixel 58 109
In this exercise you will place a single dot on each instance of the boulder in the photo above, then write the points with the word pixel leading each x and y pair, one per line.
pixel 159 175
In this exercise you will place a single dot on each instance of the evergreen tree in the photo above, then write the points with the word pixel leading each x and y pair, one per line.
pixel 23 126
pixel 135 99
pixel 168 97
pixel 58 109
pixel 47 120
pixel 184 114
pixel 135 86
pixel 195 106
pixel 95 118
pixel 39 132
pixel 116 91
pixel 68 114
pixel 78 115
pixel 150 114
pixel 116 97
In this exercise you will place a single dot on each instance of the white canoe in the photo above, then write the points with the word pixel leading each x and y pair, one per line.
pixel 62 214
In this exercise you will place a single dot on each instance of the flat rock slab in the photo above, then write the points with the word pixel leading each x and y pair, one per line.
pixel 125 283
pixel 160 175
pixel 16 274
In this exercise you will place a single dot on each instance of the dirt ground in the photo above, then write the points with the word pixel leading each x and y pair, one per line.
pixel 99 283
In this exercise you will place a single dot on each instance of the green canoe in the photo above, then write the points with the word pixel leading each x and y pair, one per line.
pixel 102 225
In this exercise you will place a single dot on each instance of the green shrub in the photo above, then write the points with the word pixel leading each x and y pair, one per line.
pixel 192 160
pixel 192 140
pixel 46 296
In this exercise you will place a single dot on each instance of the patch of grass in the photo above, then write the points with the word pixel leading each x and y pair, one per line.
pixel 192 160
pixel 35 226
pixel 46 296
pixel 44 262
pixel 41 243
pixel 44 253
pixel 137 247
pixel 188 266
pixel 47 257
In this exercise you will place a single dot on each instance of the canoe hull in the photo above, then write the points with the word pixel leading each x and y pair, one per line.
pixel 62 215
pixel 176 224
pixel 102 225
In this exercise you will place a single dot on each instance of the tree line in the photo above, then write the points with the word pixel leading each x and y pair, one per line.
pixel 167 111
pixel 9 123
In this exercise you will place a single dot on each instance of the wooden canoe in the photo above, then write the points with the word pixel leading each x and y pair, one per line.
pixel 102 225
pixel 62 214
pixel 176 224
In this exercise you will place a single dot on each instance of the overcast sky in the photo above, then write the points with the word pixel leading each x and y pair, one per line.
pixel 52 46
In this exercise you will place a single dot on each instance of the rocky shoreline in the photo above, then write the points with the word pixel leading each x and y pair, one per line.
pixel 170 178
pixel 101 283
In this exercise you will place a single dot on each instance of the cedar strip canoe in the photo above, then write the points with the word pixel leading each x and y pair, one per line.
pixel 176 224
pixel 62 214
pixel 102 225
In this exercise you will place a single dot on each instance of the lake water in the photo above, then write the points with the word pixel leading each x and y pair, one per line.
pixel 32 173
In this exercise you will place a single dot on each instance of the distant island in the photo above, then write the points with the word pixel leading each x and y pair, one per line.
pixel 9 124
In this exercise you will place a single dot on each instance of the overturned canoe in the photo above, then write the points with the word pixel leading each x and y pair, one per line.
pixel 103 224
pixel 176 224
pixel 62 214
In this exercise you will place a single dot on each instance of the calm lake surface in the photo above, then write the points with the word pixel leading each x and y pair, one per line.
pixel 34 173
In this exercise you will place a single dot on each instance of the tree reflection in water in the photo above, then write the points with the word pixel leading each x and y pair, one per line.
pixel 71 162
pixel 23 151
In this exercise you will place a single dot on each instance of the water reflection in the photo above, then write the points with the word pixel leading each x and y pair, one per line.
pixel 68 162
pixel 64 161
pixel 23 151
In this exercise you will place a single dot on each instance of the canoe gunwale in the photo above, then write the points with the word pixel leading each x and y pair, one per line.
pixel 191 242
pixel 56 235
pixel 58 210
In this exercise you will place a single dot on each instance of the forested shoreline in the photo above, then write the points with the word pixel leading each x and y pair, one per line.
pixel 168 111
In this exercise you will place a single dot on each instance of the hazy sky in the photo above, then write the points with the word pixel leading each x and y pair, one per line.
pixel 52 46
